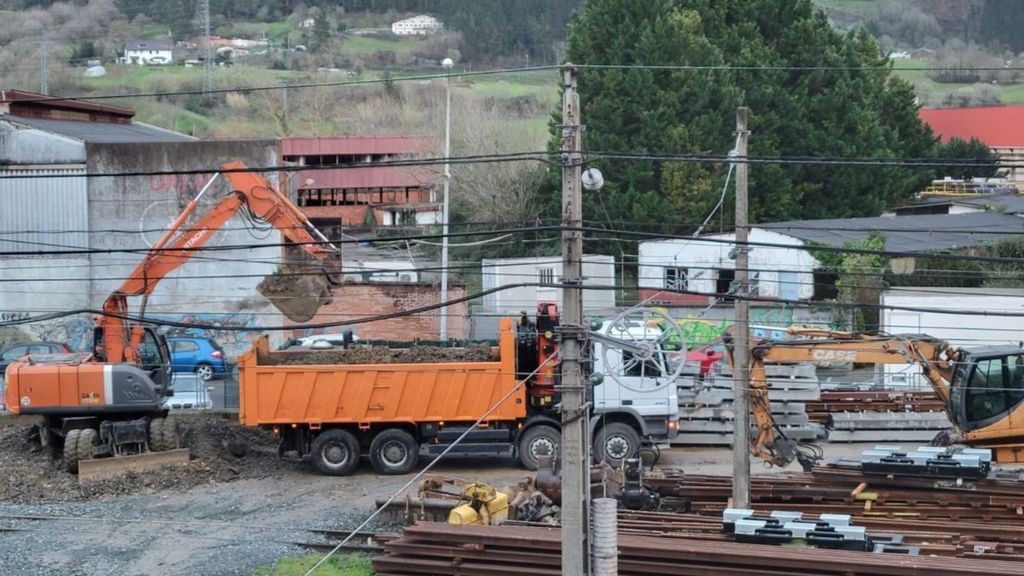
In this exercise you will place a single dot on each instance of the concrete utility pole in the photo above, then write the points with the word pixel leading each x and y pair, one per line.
pixel 44 73
pixel 741 352
pixel 447 64
pixel 207 54
pixel 575 424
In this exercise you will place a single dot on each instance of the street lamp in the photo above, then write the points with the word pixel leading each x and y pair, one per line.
pixel 447 64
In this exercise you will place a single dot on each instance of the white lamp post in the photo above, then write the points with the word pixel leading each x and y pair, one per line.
pixel 447 65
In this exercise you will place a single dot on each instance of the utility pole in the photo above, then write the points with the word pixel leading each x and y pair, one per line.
pixel 741 352
pixel 575 424
pixel 44 73
pixel 204 7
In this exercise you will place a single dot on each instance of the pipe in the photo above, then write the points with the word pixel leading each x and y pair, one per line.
pixel 605 550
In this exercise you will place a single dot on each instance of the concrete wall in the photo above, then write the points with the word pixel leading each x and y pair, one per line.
pixel 217 287
pixel 361 300
pixel 783 273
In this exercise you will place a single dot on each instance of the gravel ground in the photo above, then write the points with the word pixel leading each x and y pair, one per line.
pixel 220 515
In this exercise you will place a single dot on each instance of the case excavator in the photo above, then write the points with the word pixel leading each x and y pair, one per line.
pixel 982 389
pixel 111 402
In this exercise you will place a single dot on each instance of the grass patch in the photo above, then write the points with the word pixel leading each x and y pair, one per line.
pixel 931 93
pixel 335 566
pixel 369 45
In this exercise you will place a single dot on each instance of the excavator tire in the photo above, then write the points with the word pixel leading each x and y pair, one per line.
pixel 156 434
pixel 170 434
pixel 86 443
pixel 71 451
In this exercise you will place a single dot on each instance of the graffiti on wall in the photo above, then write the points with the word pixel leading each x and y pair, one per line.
pixel 225 332
pixel 74 331
pixel 765 323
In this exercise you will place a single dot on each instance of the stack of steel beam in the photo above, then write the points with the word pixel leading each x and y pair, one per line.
pixel 442 549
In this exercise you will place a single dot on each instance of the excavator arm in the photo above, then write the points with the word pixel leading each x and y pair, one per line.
pixel 250 192
pixel 934 356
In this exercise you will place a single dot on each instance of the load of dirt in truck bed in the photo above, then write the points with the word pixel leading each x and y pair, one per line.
pixel 386 355
pixel 221 450
pixel 296 294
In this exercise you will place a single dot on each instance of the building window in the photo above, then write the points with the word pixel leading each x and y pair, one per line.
pixel 676 278
pixel 546 276
pixel 754 281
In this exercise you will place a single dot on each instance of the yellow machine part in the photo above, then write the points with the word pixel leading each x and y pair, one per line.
pixel 486 506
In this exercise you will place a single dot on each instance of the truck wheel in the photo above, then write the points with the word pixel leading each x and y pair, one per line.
pixel 86 444
pixel 616 442
pixel 541 440
pixel 71 451
pixel 335 453
pixel 394 451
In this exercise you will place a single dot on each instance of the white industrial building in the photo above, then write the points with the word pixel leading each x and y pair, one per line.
pixel 694 271
pixel 598 270
pixel 979 320
pixel 417 26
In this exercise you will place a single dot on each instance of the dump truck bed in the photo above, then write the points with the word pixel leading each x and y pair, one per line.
pixel 274 392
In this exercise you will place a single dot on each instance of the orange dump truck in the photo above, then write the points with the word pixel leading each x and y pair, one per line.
pixel 393 413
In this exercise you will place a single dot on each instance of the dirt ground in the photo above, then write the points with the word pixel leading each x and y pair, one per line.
pixel 220 514
pixel 384 355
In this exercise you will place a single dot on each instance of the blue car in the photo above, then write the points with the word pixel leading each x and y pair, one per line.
pixel 202 356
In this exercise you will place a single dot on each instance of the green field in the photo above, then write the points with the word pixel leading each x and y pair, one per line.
pixel 931 92
pixel 335 566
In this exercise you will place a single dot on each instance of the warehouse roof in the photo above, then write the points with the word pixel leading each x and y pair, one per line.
pixel 997 126
pixel 921 233
pixel 101 132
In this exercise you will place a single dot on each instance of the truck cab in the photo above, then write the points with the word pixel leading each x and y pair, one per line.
pixel 636 399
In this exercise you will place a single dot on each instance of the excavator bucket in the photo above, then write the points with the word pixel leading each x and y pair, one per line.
pixel 298 296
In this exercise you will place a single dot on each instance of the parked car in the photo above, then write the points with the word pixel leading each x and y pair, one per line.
pixel 201 356
pixel 190 393
pixel 321 341
pixel 15 351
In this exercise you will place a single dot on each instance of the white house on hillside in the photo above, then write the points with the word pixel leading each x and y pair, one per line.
pixel 417 25
pixel 148 52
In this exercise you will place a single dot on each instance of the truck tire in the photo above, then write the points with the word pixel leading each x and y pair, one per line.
pixel 86 444
pixel 538 441
pixel 335 453
pixel 616 442
pixel 71 451
pixel 394 451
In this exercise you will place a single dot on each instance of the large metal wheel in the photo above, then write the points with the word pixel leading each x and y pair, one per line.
pixel 71 451
pixel 335 453
pixel 394 451
pixel 540 440
pixel 616 442
pixel 652 349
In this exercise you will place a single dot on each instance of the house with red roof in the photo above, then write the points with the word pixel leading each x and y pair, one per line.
pixel 1001 127
pixel 366 188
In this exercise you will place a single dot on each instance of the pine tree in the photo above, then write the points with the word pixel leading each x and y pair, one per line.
pixel 812 90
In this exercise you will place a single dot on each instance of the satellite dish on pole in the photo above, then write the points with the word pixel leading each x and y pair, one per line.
pixel 592 179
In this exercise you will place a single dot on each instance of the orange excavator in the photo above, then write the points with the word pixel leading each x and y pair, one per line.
pixel 111 402
pixel 982 389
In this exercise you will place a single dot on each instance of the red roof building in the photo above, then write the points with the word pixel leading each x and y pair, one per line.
pixel 384 195
pixel 1001 127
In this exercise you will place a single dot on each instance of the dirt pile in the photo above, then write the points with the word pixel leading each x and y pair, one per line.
pixel 30 475
pixel 384 355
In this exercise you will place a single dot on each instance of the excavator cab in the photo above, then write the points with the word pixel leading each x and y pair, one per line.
pixel 987 386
